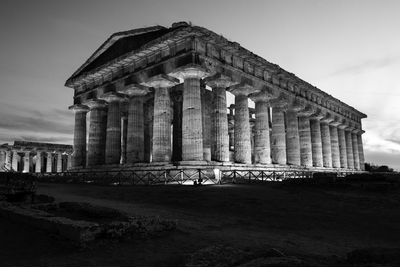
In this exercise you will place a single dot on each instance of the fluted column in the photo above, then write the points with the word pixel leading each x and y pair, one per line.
pixel 79 154
pixel 49 162
pixel 69 161
pixel 262 146
pixel 162 117
pixel 97 132
pixel 292 133
pixel 220 139
pixel 113 132
pixel 8 159
pixel 59 162
pixel 124 137
pixel 27 161
pixel 2 158
pixel 305 137
pixel 326 142
pixel 335 152
pixel 38 166
pixel 356 155
pixel 349 148
pixel 192 132
pixel 316 142
pixel 15 159
pixel 342 146
pixel 361 150
pixel 206 119
pixel 177 126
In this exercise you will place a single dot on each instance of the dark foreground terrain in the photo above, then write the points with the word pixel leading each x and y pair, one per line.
pixel 319 224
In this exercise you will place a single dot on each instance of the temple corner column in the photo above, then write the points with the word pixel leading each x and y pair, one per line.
pixel 79 148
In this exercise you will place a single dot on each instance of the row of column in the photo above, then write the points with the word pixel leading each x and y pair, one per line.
pixel 298 136
pixel 10 160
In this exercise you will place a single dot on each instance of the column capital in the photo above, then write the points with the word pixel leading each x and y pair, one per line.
pixel 219 81
pixel 307 111
pixel 243 89
pixel 79 108
pixel 328 118
pixel 189 71
pixel 281 102
pixel 318 115
pixel 112 97
pixel 336 122
pixel 295 104
pixel 357 131
pixel 264 95
pixel 134 90
pixel 96 103
pixel 161 81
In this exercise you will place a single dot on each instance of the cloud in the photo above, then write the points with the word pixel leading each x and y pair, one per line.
pixel 368 65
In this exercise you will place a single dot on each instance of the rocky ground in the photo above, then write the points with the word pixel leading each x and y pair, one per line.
pixel 272 224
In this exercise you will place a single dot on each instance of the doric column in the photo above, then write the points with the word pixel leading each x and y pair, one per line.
pixel 361 150
pixel 262 146
pixel 356 154
pixel 305 137
pixel 242 142
pixel 49 162
pixel 162 117
pixel 8 159
pixel 326 141
pixel 79 154
pixel 2 158
pixel 316 142
pixel 206 119
pixel 124 137
pixel 15 159
pixel 292 133
pixel 220 140
pixel 177 125
pixel 192 132
pixel 97 132
pixel 278 133
pixel 349 148
pixel 231 130
pixel 342 146
pixel 59 162
pixel 38 166
pixel 69 161
pixel 135 125
pixel 27 161
pixel 335 152
pixel 113 132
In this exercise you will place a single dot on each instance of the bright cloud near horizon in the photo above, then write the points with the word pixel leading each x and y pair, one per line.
pixel 347 48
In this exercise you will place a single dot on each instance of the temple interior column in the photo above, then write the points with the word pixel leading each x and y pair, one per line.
pixel 349 148
pixel 97 133
pixel 356 154
pixel 333 131
pixel 231 128
pixel 326 143
pixel 361 150
pixel 79 153
pixel 15 159
pixel 342 146
pixel 49 162
pixel 38 166
pixel 59 162
pixel 278 134
pixel 148 129
pixel 27 161
pixel 113 130
pixel 316 142
pixel 177 126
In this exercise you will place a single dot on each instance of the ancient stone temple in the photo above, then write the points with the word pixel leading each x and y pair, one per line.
pixel 157 96
pixel 35 157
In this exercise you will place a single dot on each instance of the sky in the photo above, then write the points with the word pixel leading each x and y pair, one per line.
pixel 347 48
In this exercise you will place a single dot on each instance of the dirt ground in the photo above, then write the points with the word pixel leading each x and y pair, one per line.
pixel 303 221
